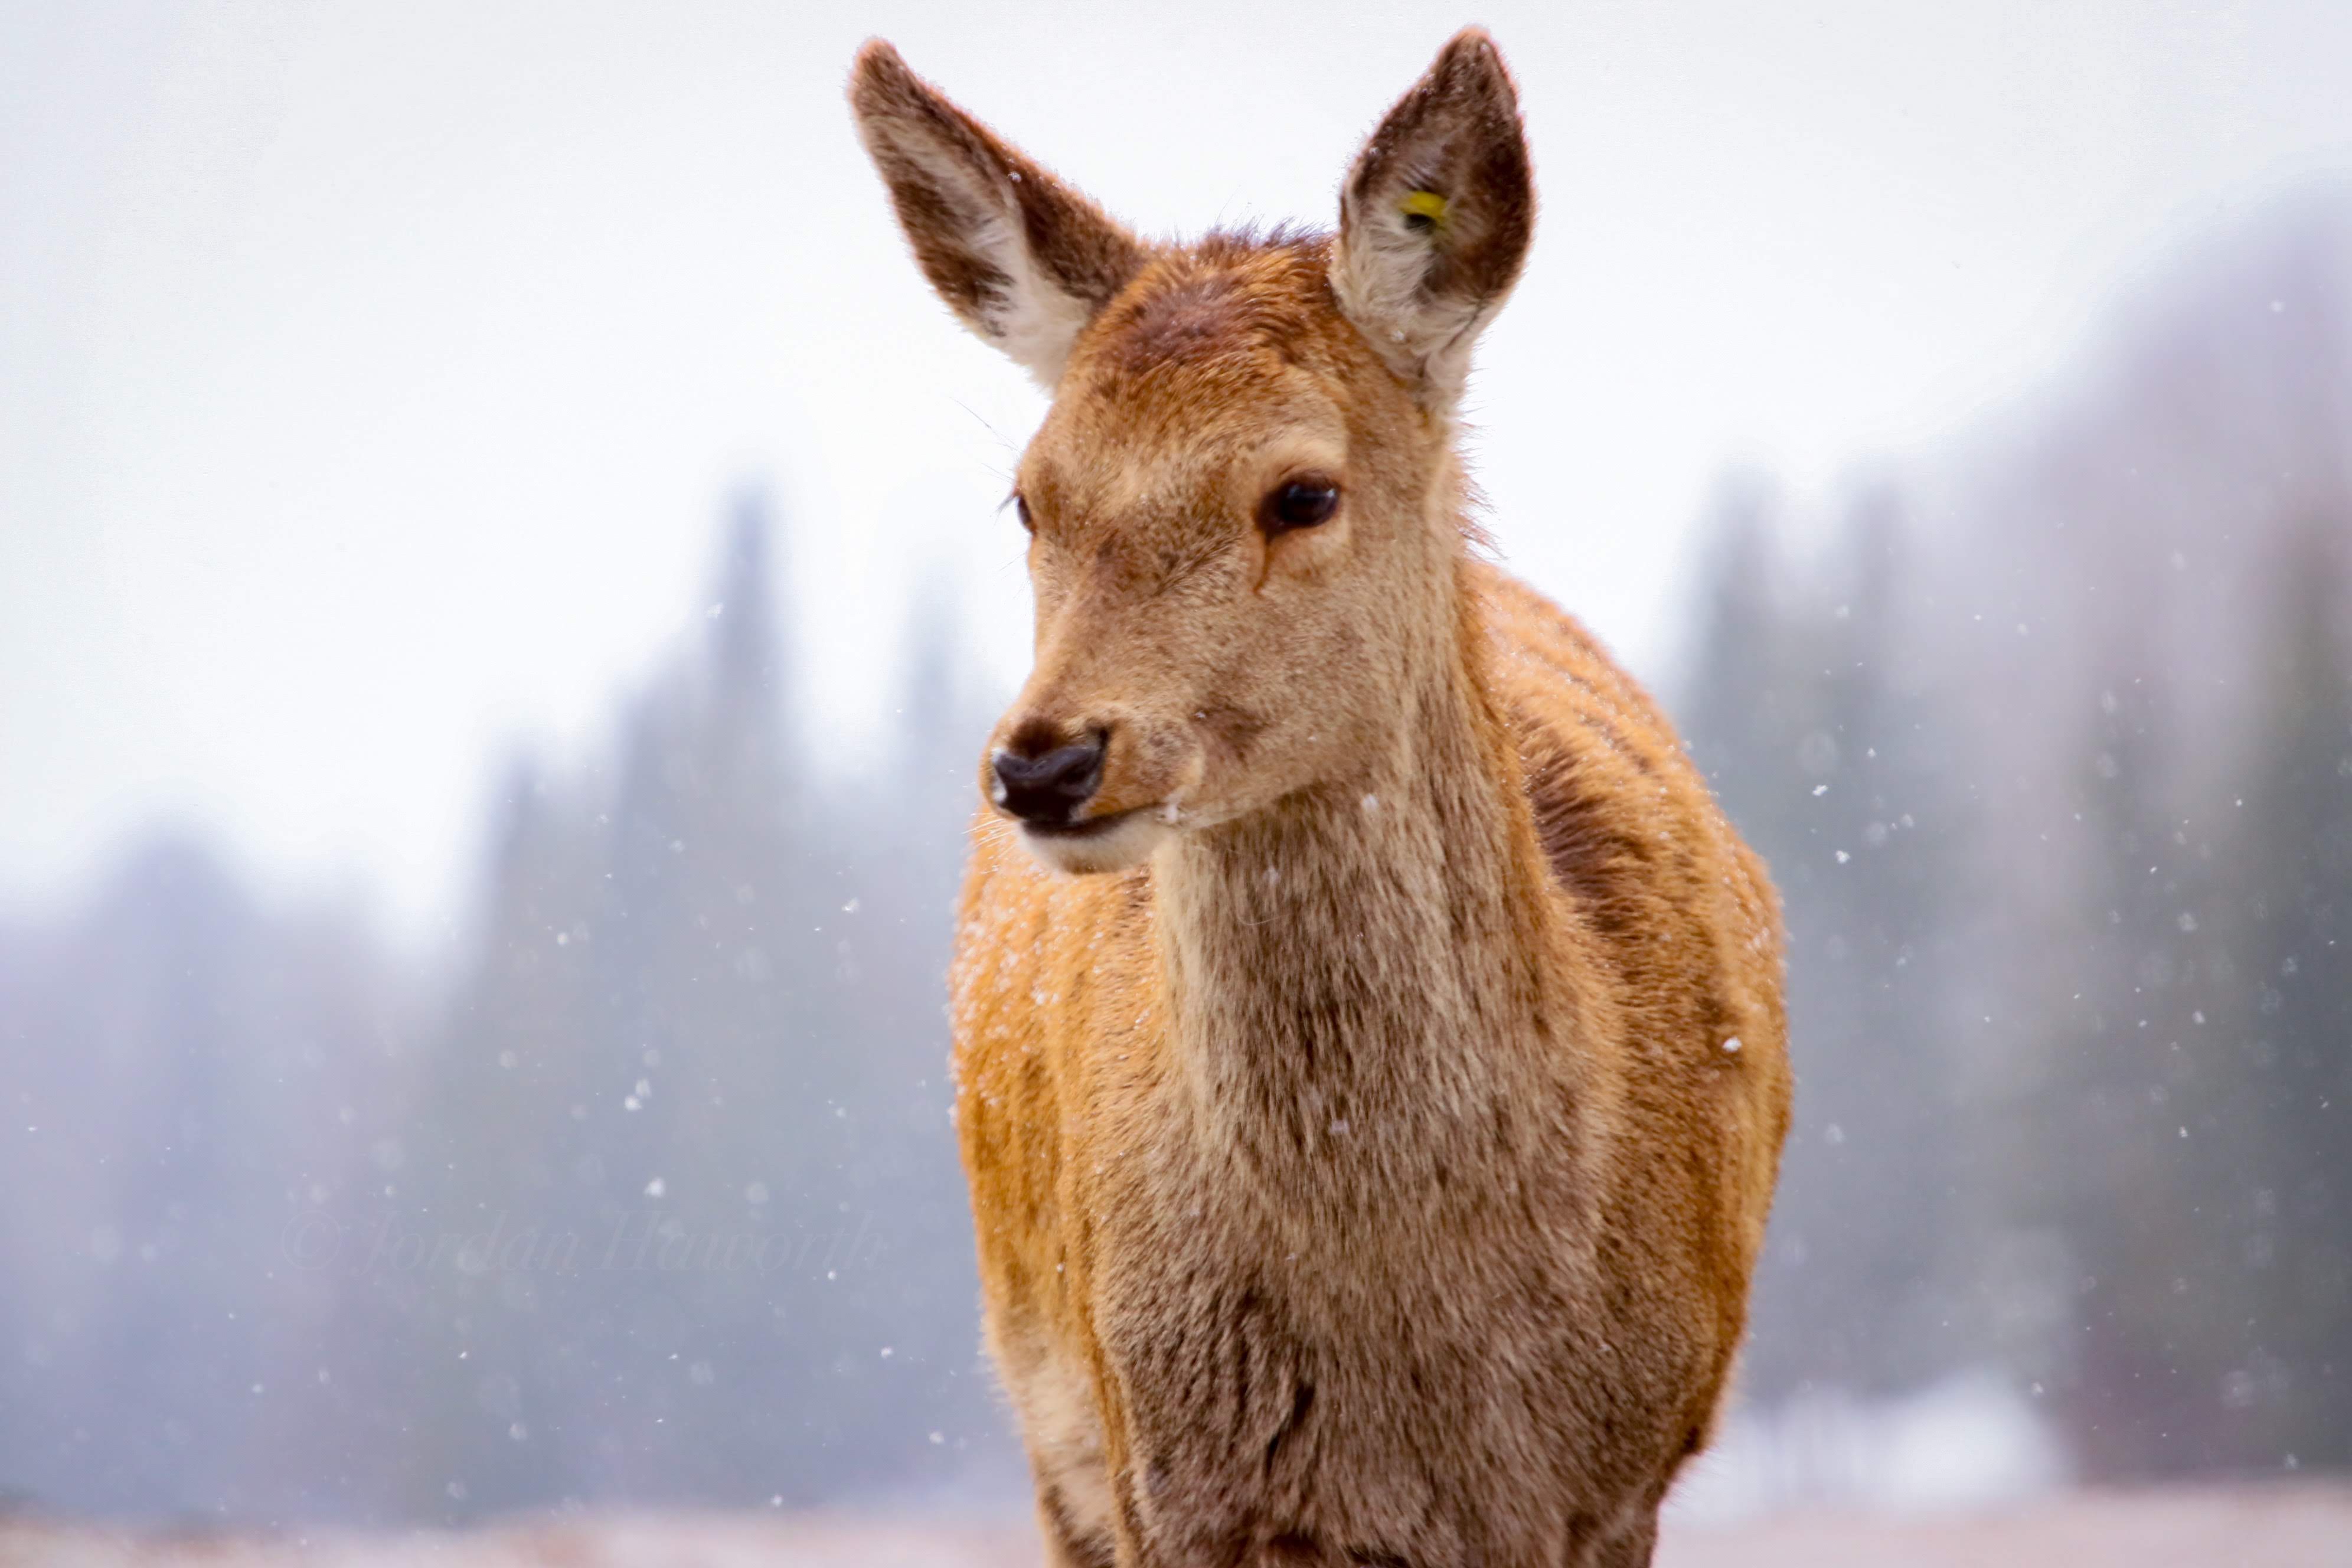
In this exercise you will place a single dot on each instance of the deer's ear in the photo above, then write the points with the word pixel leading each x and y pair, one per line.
pixel 1435 218
pixel 1025 260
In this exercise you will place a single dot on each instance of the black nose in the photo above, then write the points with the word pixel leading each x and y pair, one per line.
pixel 1048 788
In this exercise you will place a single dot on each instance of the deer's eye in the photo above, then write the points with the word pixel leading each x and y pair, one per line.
pixel 1297 503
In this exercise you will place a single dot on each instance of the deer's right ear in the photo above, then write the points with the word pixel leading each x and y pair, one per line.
pixel 1023 260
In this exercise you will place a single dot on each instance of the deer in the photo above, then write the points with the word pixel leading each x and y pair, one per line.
pixel 1369 1035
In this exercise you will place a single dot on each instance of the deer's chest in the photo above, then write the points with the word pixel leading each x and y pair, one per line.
pixel 1320 1373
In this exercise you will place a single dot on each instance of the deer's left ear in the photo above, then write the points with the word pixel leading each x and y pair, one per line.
pixel 1022 259
pixel 1435 218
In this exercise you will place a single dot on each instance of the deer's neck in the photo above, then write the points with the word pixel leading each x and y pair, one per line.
pixel 1357 979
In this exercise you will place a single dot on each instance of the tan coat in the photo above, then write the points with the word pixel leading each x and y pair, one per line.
pixel 1371 1101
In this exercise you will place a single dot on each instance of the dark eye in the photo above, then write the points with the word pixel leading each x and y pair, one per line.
pixel 1020 509
pixel 1298 503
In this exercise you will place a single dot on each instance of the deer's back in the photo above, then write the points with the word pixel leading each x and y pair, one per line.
pixel 1683 919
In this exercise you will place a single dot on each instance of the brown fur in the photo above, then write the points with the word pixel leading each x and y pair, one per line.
pixel 1359 1169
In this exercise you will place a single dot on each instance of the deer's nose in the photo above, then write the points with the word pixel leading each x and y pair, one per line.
pixel 1047 785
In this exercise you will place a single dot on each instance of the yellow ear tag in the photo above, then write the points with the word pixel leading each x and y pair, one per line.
pixel 1423 209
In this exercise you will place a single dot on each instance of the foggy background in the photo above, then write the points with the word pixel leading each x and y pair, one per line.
pixel 501 586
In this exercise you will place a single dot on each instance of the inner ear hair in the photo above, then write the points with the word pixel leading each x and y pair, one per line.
pixel 1436 216
pixel 1021 258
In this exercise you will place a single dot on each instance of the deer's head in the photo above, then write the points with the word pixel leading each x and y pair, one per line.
pixel 1244 505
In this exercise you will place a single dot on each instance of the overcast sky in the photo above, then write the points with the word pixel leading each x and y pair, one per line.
pixel 371 377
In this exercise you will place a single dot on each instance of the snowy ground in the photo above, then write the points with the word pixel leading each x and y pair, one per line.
pixel 2307 1526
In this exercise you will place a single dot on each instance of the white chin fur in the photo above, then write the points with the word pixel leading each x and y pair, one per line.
pixel 1127 844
